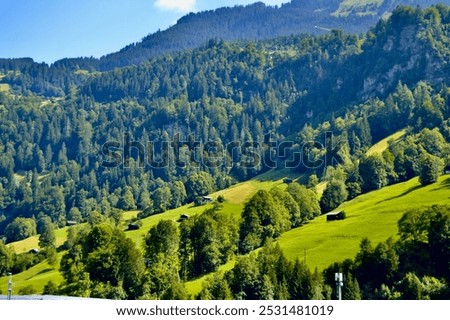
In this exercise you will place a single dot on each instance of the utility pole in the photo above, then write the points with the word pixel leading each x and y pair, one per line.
pixel 339 283
pixel 10 283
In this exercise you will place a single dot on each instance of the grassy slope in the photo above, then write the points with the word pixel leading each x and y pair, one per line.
pixel 378 147
pixel 33 242
pixel 382 145
pixel 4 87
pixel 235 197
pixel 320 188
pixel 37 276
pixel 358 7
pixel 373 215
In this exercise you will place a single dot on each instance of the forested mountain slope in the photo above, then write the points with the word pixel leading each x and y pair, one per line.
pixel 178 127
pixel 256 22
pixel 252 22
pixel 227 93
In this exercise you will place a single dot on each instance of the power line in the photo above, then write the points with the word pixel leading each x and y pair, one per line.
pixel 322 28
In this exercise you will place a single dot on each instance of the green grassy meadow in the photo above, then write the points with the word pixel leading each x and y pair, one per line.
pixel 382 145
pixel 360 7
pixel 33 242
pixel 37 276
pixel 4 87
pixel 373 215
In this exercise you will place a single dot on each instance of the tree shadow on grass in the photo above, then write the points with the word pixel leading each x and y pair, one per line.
pixel 443 185
pixel 41 272
pixel 402 194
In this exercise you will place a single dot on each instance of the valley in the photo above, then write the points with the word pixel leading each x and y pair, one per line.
pixel 205 167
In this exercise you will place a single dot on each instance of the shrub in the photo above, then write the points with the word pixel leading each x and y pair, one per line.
pixel 27 290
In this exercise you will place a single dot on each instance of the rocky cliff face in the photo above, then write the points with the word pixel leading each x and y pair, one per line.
pixel 407 52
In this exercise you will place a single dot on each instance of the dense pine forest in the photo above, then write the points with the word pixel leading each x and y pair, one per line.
pixel 82 142
pixel 240 23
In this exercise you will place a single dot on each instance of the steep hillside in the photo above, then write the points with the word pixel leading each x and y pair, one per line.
pixel 252 22
pixel 240 23
pixel 152 139
pixel 376 85
pixel 382 145
pixel 373 215
pixel 235 197
pixel 256 22
pixel 377 8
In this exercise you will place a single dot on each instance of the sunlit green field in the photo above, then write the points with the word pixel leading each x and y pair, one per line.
pixel 358 7
pixel 33 242
pixel 235 198
pixel 373 215
pixel 4 87
pixel 37 276
pixel 382 145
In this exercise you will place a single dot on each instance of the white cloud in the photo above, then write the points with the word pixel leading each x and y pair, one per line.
pixel 276 2
pixel 176 5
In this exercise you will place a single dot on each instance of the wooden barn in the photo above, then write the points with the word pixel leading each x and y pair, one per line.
pixel 334 216
pixel 183 217
pixel 133 226
pixel 207 199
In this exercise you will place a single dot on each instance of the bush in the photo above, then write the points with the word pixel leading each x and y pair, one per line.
pixel 220 198
pixel 28 290
pixel 50 288
pixel 334 194
pixel 431 168
pixel 135 224
pixel 25 261
pixel 19 229
pixel 198 201
pixel 147 212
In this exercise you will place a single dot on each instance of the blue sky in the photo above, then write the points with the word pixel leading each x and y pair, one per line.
pixel 48 30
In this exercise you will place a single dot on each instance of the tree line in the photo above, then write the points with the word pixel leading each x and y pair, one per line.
pixel 223 92
pixel 102 262
pixel 50 168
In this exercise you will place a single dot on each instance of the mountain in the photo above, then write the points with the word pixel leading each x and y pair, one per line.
pixel 349 68
pixel 256 22
pixel 173 130
pixel 240 23
pixel 377 8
